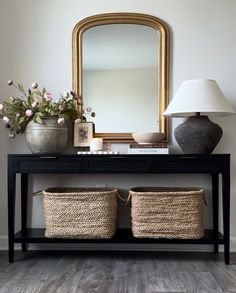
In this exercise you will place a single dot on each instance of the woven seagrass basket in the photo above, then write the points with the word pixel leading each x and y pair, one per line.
pixel 86 213
pixel 159 212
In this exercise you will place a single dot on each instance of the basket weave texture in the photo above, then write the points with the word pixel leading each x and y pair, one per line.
pixel 159 212
pixel 86 213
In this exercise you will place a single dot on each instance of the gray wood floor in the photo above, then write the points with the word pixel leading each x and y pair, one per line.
pixel 138 272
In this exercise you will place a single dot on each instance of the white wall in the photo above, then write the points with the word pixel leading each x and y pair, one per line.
pixel 36 46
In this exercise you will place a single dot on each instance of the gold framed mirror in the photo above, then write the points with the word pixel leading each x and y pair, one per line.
pixel 106 47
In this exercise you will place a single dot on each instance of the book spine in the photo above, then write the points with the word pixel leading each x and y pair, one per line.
pixel 97 153
pixel 157 151
pixel 147 146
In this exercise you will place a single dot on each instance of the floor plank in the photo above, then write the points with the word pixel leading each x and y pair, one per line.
pixel 133 272
pixel 28 275
pixel 66 276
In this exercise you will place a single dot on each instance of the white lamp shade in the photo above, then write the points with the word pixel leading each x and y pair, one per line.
pixel 199 96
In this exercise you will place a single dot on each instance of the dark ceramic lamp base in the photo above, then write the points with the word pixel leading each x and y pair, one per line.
pixel 198 135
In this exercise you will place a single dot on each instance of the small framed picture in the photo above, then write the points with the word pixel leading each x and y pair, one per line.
pixel 83 134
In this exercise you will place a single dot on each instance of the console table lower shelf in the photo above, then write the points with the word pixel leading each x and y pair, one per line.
pixel 122 236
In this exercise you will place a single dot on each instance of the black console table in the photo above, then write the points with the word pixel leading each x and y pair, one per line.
pixel 214 165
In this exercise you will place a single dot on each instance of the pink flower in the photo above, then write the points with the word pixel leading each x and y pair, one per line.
pixel 80 102
pixel 66 95
pixel 11 135
pixel 5 119
pixel 28 113
pixel 88 109
pixel 10 82
pixel 34 85
pixel 61 121
pixel 61 107
pixel 48 96
pixel 1 107
pixel 77 121
pixel 34 104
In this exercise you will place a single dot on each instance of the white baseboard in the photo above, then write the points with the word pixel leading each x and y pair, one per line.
pixel 121 247
pixel 233 244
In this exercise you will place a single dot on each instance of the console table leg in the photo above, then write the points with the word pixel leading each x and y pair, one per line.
pixel 24 199
pixel 11 209
pixel 226 211
pixel 11 251
pixel 215 209
pixel 23 246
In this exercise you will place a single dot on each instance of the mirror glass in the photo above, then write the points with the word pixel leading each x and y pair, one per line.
pixel 121 70
pixel 120 77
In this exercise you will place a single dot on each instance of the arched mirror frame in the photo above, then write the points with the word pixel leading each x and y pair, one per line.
pixel 163 72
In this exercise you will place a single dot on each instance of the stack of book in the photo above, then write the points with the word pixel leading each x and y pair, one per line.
pixel 152 148
pixel 97 153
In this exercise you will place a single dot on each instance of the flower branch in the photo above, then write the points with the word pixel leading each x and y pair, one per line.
pixel 37 105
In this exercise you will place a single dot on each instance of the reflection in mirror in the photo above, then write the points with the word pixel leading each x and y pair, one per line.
pixel 120 77
pixel 121 70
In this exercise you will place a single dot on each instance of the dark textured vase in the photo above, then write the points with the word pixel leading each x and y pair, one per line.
pixel 198 135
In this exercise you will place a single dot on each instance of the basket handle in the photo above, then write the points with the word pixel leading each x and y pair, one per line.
pixel 37 192
pixel 124 199
pixel 129 197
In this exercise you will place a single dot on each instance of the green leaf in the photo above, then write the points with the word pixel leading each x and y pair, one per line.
pixel 21 87
pixel 38 120
pixel 22 119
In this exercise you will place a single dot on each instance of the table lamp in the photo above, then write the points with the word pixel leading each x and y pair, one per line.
pixel 196 99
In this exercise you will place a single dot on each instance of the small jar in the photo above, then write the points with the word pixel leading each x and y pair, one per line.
pixel 96 144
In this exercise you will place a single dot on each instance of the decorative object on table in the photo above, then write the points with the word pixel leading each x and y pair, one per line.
pixel 149 148
pixel 42 119
pixel 83 134
pixel 103 152
pixel 148 137
pixel 80 212
pixel 96 144
pixel 167 212
pixel 98 148
pixel 46 138
pixel 198 134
